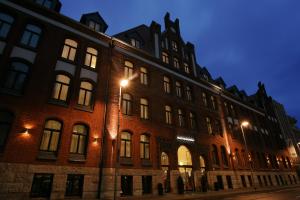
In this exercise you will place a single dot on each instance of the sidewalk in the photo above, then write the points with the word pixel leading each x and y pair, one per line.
pixel 199 195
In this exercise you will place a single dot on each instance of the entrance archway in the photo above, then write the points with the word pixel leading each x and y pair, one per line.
pixel 185 167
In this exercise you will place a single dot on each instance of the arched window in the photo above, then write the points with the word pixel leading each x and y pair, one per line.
pixel 61 87
pixel 168 114
pixel 79 139
pixel 202 163
pixel 126 143
pixel 167 85
pixel 145 147
pixel 69 50
pixel 224 156
pixel 126 104
pixel 178 89
pixel 16 77
pixel 215 156
pixel 91 57
pixel 31 36
pixel 6 120
pixel 144 107
pixel 188 92
pixel 6 22
pixel 164 159
pixel 128 70
pixel 51 135
pixel 180 118
pixel 184 156
pixel 85 94
pixel 144 76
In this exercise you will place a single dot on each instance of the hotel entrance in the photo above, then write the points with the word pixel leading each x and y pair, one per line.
pixel 185 167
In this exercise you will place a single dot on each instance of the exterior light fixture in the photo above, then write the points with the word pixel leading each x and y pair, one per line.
pixel 124 83
pixel 188 139
pixel 245 123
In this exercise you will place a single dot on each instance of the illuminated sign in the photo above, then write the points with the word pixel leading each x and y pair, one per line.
pixel 188 139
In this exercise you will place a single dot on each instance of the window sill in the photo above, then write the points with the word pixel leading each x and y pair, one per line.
pixel 10 92
pixel 34 49
pixel 45 155
pixel 72 62
pixel 77 158
pixel 126 161
pixel 84 108
pixel 146 162
pixel 58 102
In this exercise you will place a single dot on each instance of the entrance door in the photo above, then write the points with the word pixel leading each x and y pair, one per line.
pixel 186 174
pixel 185 167
pixel 126 185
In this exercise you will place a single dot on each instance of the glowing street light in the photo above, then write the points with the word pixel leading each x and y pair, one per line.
pixel 124 83
pixel 245 124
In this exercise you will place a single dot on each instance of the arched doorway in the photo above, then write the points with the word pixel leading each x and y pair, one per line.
pixel 165 166
pixel 185 167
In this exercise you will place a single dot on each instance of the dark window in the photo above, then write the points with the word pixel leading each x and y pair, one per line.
pixel 126 104
pixel 74 185
pixel 213 103
pixel 125 150
pixel 220 182
pixel 270 180
pixel 145 147
pixel 215 156
pixel 31 36
pixel 45 3
pixel 174 46
pixel 95 26
pixel 204 99
pixel 51 135
pixel 147 184
pixel 16 77
pixel 126 185
pixel 243 181
pixel 192 119
pixel 61 87
pixel 224 156
pixel 168 114
pixel 6 120
pixel 189 94
pixel 181 119
pixel 259 180
pixel 41 185
pixel 79 139
pixel 69 50
pixel 209 126
pixel 6 22
pixel 136 43
pixel 250 180
pixel 85 94
pixel 218 128
pixel 229 182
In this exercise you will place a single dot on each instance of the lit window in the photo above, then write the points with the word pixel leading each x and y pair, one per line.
pixel 209 126
pixel 6 22
pixel 74 185
pixel 168 114
pixel 128 70
pixel 178 89
pixel 204 99
pixel 167 85
pixel 144 76
pixel 91 57
pixel 165 57
pixel 164 159
pixel 45 3
pixel 79 139
pixel 180 118
pixel 41 185
pixel 51 135
pixel 144 108
pixel 85 94
pixel 174 46
pixel 61 87
pixel 95 26
pixel 189 95
pixel 186 68
pixel 176 63
pixel 145 147
pixel 135 43
pixel 6 120
pixel 224 156
pixel 31 36
pixel 215 156
pixel 16 77
pixel 125 150
pixel 192 119
pixel 126 104
pixel 69 50
pixel 213 102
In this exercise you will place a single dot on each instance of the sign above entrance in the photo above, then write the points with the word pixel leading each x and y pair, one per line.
pixel 186 139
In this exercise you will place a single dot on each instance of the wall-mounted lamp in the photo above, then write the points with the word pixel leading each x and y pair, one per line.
pixel 25 131
pixel 96 140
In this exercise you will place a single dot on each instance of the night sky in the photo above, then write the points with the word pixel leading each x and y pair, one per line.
pixel 243 41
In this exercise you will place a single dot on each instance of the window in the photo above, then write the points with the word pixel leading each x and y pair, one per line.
pixel 128 70
pixel 174 46
pixel 41 185
pixel 61 87
pixel 144 108
pixel 164 159
pixel 45 3
pixel 213 102
pixel 125 150
pixel 226 108
pixel 51 135
pixel 215 156
pixel 16 77
pixel 145 147
pixel 218 128
pixel 167 85
pixel 178 89
pixel 135 43
pixel 91 57
pixel 6 120
pixel 126 104
pixel 189 95
pixel 204 98
pixel 74 185
pixel 31 36
pixel 69 50
pixel 6 22
pixel 165 58
pixel 224 156
pixel 192 120
pixel 237 157
pixel 209 126
pixel 180 118
pixel 176 63
pixel 232 110
pixel 79 139
pixel 168 113
pixel 85 94
pixel 95 26
pixel 144 76
pixel 186 68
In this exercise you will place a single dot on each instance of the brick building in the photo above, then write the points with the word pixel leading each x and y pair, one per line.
pixel 64 133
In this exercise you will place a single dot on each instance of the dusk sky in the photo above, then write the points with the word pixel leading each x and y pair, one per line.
pixel 243 41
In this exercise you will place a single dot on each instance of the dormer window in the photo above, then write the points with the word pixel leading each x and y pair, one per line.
pixel 134 42
pixel 174 46
pixel 95 26
pixel 45 3
pixel 173 29
pixel 205 77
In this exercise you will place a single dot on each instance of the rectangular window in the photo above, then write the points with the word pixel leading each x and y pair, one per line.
pixel 213 103
pixel 31 36
pixel 45 3
pixel 144 106
pixel 180 118
pixel 69 50
pixel 41 185
pixel 189 95
pixel 5 24
pixel 165 58
pixel 74 185
pixel 176 63
pixel 174 46
pixel 95 26
pixel 192 121
pixel 135 43
pixel 167 85
pixel 209 126
pixel 143 76
pixel 186 68
pixel 204 99
pixel 91 57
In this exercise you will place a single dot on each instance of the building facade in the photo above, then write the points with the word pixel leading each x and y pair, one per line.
pixel 68 129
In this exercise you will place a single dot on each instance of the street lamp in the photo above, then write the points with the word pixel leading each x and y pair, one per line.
pixel 123 84
pixel 246 124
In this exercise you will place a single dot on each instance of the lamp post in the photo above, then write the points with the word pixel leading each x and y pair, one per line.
pixel 246 124
pixel 123 84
